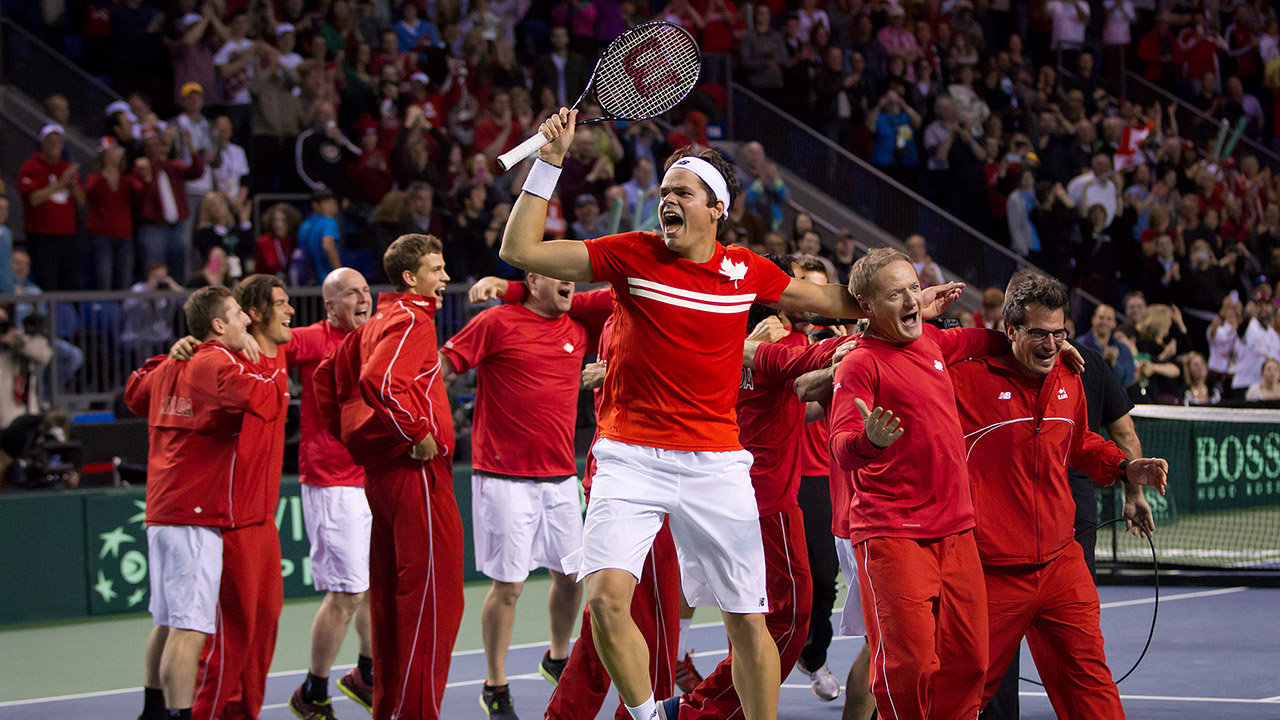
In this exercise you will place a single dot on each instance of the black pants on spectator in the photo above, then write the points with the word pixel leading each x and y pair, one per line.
pixel 1004 704
pixel 57 261
pixel 815 502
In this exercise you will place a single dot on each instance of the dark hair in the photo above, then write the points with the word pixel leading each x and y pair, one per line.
pixel 760 311
pixel 320 196
pixel 720 164
pixel 406 253
pixel 254 295
pixel 202 307
pixel 1028 287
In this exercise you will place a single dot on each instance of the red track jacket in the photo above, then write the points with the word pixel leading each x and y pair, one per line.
pixel 1020 435
pixel 194 412
pixel 380 391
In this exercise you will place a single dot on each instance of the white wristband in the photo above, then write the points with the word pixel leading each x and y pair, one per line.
pixel 542 179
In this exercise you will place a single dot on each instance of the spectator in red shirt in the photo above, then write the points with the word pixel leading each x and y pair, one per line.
pixel 275 246
pixel 50 189
pixel 164 220
pixel 497 131
pixel 1156 50
pixel 111 194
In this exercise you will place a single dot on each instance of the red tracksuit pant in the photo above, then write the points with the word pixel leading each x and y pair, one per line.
pixel 790 591
pixel 1056 606
pixel 923 603
pixel 655 608
pixel 232 679
pixel 415 585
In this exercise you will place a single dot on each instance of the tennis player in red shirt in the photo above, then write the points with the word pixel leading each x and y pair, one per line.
pixel 1024 418
pixel 334 508
pixel 382 393
pixel 910 515
pixel 524 485
pixel 668 438
pixel 235 661
pixel 196 411
pixel 771 423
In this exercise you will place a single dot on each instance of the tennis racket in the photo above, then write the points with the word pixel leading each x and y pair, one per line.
pixel 645 72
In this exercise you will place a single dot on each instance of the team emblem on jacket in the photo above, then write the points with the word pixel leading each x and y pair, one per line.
pixel 1062 393
pixel 735 271
pixel 568 347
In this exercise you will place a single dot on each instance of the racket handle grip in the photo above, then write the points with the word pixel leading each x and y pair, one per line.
pixel 513 157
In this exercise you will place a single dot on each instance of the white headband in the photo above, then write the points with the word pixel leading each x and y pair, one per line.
pixel 710 175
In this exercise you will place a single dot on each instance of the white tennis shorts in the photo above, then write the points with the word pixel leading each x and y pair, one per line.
pixel 185 564
pixel 714 521
pixel 851 622
pixel 522 525
pixel 338 523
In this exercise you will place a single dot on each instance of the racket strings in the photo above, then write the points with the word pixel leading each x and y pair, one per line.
pixel 647 71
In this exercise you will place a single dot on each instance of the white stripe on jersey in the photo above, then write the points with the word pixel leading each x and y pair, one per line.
pixel 688 294
pixel 692 305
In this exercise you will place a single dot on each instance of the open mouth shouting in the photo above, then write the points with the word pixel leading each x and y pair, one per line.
pixel 672 221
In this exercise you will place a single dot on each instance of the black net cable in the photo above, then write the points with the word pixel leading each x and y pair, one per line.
pixel 1155 610
pixel 647 71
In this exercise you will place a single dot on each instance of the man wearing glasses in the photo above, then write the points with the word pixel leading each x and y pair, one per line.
pixel 1025 419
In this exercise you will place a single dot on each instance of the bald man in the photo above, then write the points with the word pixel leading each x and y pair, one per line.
pixel 334 508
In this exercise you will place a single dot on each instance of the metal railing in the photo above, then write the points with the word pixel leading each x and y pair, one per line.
pixel 36 69
pixel 100 337
pixel 962 250
pixel 1145 92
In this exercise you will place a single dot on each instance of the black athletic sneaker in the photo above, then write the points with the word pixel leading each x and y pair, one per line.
pixel 497 703
pixel 320 710
pixel 552 669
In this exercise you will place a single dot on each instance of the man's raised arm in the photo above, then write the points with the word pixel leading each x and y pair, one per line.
pixel 522 244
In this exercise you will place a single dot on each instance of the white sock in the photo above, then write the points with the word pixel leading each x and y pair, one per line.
pixel 683 648
pixel 648 710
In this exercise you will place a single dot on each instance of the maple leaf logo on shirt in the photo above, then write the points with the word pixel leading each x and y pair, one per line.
pixel 938 365
pixel 735 271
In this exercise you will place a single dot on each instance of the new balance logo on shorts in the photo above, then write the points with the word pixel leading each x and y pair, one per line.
pixel 1005 396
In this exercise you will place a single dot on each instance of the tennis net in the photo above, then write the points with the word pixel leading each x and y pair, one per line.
pixel 1221 514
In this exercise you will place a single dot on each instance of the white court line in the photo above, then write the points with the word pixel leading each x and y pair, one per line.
pixel 459 683
pixel 522 646
pixel 1171 598
pixel 1153 698
pixel 1166 698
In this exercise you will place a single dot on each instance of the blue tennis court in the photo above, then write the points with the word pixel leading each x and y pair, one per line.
pixel 1215 655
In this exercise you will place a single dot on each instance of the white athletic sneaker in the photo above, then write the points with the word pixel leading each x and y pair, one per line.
pixel 824 684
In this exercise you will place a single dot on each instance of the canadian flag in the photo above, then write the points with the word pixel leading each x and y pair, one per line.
pixel 1131 138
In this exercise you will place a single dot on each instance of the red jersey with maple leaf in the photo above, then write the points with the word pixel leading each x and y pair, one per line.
pixel 676 348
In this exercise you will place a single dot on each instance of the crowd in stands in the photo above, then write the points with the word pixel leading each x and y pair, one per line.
pixel 1014 117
